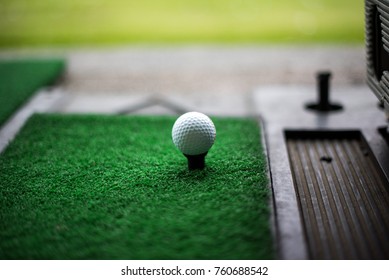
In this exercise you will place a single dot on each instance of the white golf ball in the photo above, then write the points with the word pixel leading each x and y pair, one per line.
pixel 193 133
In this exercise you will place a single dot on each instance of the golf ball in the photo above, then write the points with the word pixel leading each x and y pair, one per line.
pixel 193 133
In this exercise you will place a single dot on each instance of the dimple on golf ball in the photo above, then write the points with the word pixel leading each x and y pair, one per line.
pixel 193 133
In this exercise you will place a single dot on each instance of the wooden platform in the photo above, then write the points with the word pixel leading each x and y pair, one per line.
pixel 329 173
pixel 342 194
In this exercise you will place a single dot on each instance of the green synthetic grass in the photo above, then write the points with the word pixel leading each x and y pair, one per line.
pixel 73 22
pixel 21 78
pixel 110 187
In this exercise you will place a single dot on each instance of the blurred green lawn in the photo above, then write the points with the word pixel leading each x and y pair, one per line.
pixel 86 22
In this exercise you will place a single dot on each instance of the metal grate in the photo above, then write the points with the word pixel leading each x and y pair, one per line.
pixel 377 47
pixel 342 193
pixel 383 8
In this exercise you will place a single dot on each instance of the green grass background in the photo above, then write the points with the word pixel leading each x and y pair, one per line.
pixel 111 187
pixel 75 22
pixel 21 78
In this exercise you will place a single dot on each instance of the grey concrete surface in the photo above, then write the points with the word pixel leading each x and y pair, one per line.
pixel 208 69
pixel 43 101
pixel 210 78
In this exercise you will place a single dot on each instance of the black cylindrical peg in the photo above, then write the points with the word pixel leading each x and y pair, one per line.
pixel 323 104
pixel 323 83
pixel 196 161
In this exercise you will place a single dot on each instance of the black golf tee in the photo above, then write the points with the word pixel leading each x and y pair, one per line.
pixel 196 161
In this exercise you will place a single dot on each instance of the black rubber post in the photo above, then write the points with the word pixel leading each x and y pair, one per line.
pixel 196 162
pixel 323 90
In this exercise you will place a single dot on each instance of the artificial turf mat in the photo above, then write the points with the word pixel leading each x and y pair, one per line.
pixel 115 187
pixel 20 78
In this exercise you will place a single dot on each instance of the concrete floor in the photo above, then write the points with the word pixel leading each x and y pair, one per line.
pixel 216 80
